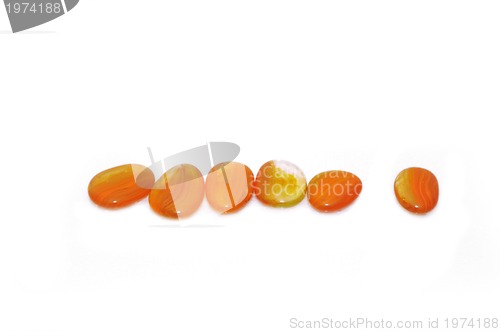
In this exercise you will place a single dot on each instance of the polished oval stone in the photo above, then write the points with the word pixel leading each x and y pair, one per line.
pixel 178 193
pixel 333 190
pixel 121 186
pixel 280 183
pixel 229 186
pixel 417 189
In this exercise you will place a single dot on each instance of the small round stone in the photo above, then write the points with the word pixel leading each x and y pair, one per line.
pixel 121 186
pixel 280 183
pixel 178 193
pixel 333 190
pixel 417 189
pixel 229 187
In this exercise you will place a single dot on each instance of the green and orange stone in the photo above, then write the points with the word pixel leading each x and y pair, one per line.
pixel 417 190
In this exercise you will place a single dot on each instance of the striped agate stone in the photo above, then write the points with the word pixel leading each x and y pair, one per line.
pixel 178 193
pixel 280 183
pixel 229 187
pixel 121 186
pixel 333 190
pixel 417 189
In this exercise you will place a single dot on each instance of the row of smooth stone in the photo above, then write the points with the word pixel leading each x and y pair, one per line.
pixel 229 186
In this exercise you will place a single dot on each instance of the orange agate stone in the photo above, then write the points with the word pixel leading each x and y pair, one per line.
pixel 333 190
pixel 417 189
pixel 229 186
pixel 280 183
pixel 121 186
pixel 178 193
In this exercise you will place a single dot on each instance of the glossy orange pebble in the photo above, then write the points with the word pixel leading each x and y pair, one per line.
pixel 417 189
pixel 229 186
pixel 121 186
pixel 280 183
pixel 333 190
pixel 178 193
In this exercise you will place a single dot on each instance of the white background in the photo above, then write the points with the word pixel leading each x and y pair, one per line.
pixel 369 87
